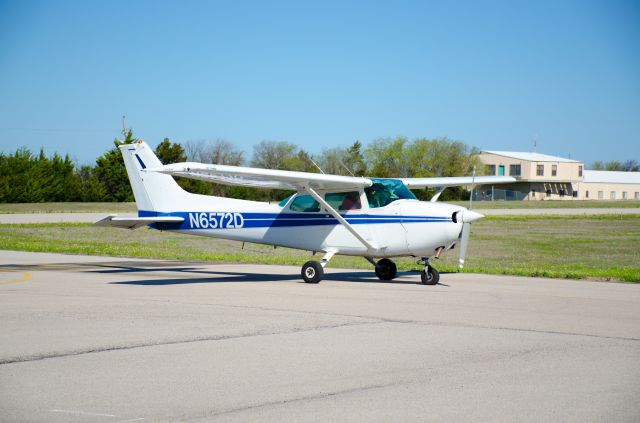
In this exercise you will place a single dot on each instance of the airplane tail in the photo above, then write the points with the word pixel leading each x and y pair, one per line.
pixel 154 192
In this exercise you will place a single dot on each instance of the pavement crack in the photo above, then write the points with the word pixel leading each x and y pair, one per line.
pixel 62 354
pixel 312 397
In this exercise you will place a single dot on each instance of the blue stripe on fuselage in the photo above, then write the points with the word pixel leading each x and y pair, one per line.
pixel 193 220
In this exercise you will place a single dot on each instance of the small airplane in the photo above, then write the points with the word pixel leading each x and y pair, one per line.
pixel 374 218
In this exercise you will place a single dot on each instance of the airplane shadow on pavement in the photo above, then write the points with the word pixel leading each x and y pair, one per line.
pixel 248 277
pixel 213 276
pixel 192 273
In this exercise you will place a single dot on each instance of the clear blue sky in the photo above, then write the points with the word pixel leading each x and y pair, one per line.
pixel 494 74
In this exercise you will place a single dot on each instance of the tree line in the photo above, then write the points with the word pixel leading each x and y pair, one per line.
pixel 27 177
pixel 615 165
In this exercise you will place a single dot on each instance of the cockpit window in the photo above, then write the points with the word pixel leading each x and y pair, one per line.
pixel 386 191
pixel 285 201
pixel 344 200
pixel 304 203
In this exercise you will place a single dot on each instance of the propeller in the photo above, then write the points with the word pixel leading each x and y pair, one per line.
pixel 468 217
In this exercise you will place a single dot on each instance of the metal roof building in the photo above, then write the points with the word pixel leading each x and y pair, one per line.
pixel 541 176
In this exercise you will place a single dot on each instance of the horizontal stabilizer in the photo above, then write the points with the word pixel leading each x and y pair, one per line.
pixel 136 222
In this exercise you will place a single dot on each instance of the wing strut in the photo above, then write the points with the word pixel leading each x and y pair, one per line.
pixel 437 194
pixel 340 219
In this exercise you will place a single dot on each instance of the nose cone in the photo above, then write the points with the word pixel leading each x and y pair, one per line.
pixel 469 216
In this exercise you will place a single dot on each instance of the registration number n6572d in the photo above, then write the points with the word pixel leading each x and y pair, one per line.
pixel 213 220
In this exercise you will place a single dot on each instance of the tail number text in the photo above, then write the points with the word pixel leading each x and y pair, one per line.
pixel 220 220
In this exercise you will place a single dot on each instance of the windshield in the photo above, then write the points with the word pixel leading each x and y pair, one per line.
pixel 285 201
pixel 386 191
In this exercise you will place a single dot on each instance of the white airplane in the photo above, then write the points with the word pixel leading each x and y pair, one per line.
pixel 356 216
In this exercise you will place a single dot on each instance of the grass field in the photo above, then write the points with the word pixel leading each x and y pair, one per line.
pixel 605 247
pixel 68 207
pixel 479 205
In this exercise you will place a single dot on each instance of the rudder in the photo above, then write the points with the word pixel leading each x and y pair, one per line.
pixel 154 192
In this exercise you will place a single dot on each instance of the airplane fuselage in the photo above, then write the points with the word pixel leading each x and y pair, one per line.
pixel 400 228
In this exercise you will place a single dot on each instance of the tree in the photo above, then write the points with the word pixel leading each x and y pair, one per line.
pixel 283 156
pixel 26 178
pixel 615 165
pixel 170 153
pixel 219 151
pixel 442 157
pixel 343 161
pixel 90 187
pixel 112 174
pixel 354 159
pixel 385 158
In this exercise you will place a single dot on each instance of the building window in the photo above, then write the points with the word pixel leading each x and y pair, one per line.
pixel 575 194
pixel 600 195
pixel 540 170
pixel 580 171
pixel 624 195
pixel 612 195
pixel 586 194
pixel 554 170
pixel 514 170
pixel 491 169
pixel 636 195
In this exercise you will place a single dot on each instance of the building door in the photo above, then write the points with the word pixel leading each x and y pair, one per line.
pixel 501 170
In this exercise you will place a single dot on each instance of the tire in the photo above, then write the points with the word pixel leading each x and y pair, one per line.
pixel 430 276
pixel 386 270
pixel 312 272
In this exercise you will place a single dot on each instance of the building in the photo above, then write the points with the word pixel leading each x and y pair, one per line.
pixel 606 185
pixel 544 177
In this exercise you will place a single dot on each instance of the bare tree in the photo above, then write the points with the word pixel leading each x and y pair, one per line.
pixel 219 151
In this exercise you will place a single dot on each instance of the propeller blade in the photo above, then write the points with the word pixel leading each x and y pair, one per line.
pixel 466 230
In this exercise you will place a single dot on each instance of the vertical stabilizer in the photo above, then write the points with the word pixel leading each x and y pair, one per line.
pixel 154 192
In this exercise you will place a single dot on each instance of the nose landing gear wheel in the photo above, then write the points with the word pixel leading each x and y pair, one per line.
pixel 429 276
pixel 386 269
pixel 312 272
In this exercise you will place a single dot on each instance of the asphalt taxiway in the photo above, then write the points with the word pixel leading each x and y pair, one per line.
pixel 112 340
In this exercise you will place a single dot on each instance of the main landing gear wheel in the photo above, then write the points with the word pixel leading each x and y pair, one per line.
pixel 386 269
pixel 429 276
pixel 312 272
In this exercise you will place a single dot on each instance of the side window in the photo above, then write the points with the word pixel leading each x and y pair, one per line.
pixel 304 203
pixel 344 200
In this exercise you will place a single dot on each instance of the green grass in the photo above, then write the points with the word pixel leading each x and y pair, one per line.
pixel 68 207
pixel 602 247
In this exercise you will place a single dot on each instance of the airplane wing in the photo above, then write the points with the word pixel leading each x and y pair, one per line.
pixel 261 178
pixel 456 181
pixel 136 222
